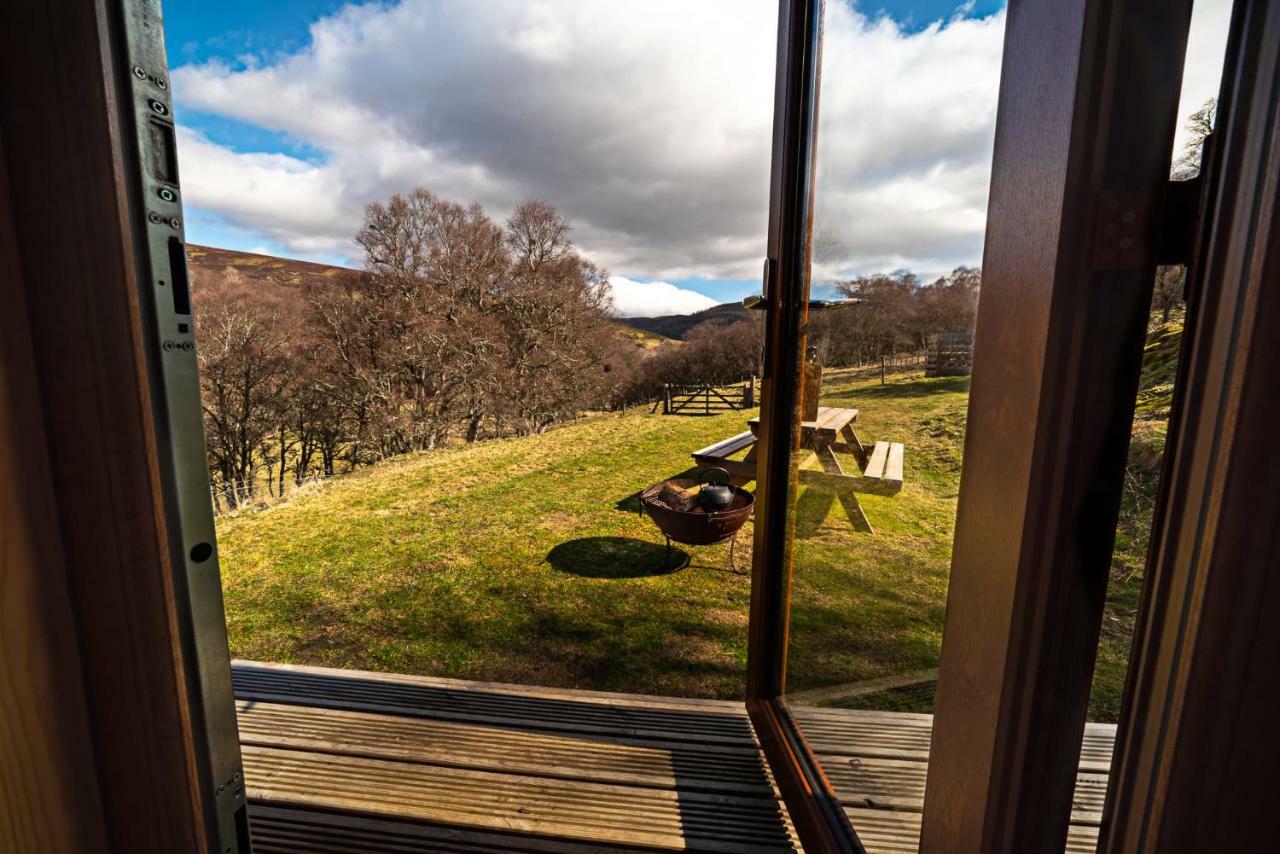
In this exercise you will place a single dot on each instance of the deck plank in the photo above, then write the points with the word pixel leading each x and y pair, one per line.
pixel 890 832
pixel 498 705
pixel 668 765
pixel 894 735
pixel 547 807
pixel 294 830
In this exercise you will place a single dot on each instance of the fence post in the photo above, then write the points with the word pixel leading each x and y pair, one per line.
pixel 881 369
pixel 666 398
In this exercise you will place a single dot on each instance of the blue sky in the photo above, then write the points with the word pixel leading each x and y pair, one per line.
pixel 197 30
pixel 244 35
pixel 294 115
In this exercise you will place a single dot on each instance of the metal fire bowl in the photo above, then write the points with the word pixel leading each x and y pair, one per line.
pixel 696 528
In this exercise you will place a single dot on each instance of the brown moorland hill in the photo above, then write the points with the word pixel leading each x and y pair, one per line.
pixel 209 266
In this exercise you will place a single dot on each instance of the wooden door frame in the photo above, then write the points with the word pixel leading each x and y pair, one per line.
pixel 1198 741
pixel 47 770
pixel 1088 108
pixel 116 759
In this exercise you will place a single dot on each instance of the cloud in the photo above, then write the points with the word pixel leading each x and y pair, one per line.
pixel 648 124
pixel 1210 20
pixel 291 201
pixel 654 299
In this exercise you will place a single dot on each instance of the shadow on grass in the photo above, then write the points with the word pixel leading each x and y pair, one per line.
pixel 812 508
pixel 615 557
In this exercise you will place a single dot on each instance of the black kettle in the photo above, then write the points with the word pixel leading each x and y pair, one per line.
pixel 714 497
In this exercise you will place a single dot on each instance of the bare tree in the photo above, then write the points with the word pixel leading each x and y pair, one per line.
pixel 456 327
pixel 1168 292
pixel 1199 126
pixel 243 372
pixel 555 315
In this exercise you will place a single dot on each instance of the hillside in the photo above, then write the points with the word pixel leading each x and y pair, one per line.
pixel 1159 364
pixel 208 264
pixel 524 560
pixel 678 325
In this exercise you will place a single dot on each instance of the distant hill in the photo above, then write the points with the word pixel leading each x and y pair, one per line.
pixel 678 325
pixel 208 264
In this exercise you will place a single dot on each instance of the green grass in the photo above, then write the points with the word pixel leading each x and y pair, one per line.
pixel 1146 450
pixel 516 560
pixel 524 560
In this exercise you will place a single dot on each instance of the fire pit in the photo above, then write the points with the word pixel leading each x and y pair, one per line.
pixel 674 507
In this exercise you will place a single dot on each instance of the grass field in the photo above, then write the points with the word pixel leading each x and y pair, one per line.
pixel 525 560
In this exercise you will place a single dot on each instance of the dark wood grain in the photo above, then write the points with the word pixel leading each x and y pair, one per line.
pixel 1198 746
pixel 1087 109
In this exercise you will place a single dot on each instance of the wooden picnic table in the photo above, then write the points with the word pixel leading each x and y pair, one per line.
pixel 828 437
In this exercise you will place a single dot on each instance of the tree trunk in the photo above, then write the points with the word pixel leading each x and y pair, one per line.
pixel 473 427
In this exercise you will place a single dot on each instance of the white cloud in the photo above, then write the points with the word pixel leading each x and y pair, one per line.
pixel 293 202
pixel 1202 73
pixel 654 299
pixel 647 124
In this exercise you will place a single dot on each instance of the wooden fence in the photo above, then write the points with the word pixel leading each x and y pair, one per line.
pixel 707 399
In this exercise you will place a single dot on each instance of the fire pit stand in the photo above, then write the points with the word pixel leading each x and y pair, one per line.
pixel 696 526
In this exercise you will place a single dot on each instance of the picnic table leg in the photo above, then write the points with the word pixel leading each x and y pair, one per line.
pixel 848 500
pixel 749 457
pixel 855 445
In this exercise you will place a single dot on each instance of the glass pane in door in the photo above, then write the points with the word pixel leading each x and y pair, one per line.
pixel 903 162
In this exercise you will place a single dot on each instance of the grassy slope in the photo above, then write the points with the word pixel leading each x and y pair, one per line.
pixel 523 560
pixel 1146 447
pixel 439 564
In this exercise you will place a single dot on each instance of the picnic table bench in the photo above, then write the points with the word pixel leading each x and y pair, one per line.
pixel 827 437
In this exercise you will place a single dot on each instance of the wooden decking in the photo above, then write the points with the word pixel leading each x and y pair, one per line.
pixel 346 761
pixel 877 761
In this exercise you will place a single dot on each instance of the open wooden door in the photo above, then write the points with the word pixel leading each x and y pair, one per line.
pixel 1088 104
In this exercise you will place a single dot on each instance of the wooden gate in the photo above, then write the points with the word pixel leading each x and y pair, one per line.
pixel 707 399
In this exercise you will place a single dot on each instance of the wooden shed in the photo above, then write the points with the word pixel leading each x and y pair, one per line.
pixel 949 354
